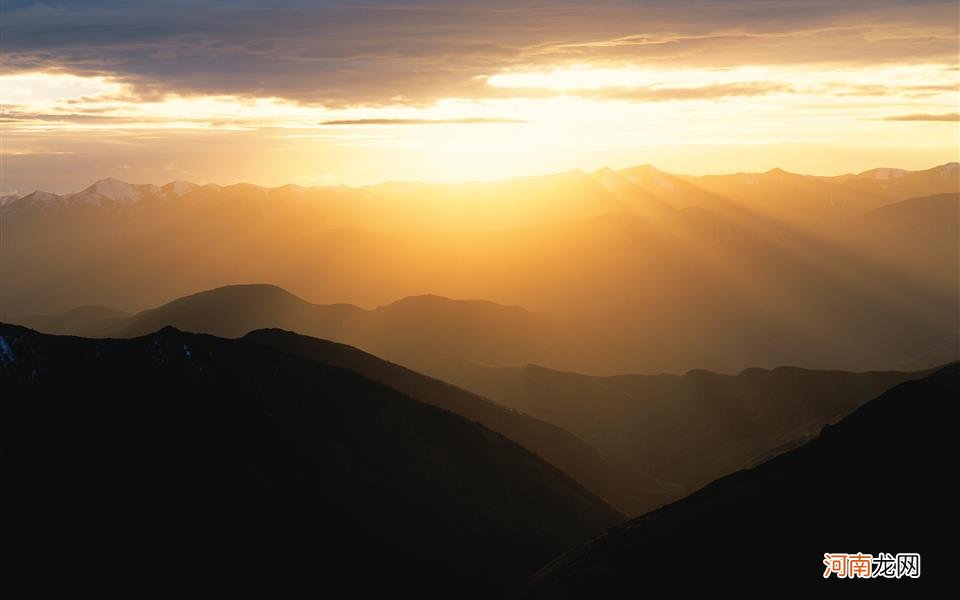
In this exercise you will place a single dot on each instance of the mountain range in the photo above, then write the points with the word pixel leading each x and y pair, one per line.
pixel 627 489
pixel 178 463
pixel 665 272
pixel 639 441
pixel 281 465
pixel 643 188
pixel 871 484
pixel 685 430
pixel 423 332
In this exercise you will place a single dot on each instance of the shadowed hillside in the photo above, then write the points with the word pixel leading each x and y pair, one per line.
pixel 627 489
pixel 649 438
pixel 685 430
pixel 179 464
pixel 875 482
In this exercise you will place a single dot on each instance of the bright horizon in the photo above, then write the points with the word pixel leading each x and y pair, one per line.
pixel 532 299
pixel 161 183
pixel 451 94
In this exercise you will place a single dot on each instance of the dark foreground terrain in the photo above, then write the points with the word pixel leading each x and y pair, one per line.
pixel 182 465
pixel 685 430
pixel 638 441
pixel 276 465
pixel 881 480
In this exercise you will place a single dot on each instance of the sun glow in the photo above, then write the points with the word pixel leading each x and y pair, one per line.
pixel 533 121
pixel 893 78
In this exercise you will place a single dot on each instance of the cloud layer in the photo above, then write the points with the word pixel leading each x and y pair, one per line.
pixel 376 52
pixel 355 91
pixel 926 117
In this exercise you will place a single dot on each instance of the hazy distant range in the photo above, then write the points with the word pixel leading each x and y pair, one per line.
pixel 635 270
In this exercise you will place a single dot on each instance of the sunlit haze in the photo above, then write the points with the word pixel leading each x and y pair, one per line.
pixel 479 299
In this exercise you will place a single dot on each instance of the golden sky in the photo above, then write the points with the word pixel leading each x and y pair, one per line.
pixel 325 93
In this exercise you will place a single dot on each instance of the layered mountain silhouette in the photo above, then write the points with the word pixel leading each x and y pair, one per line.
pixel 685 430
pixel 875 482
pixel 628 489
pixel 183 464
pixel 423 332
pixel 82 321
pixel 638 441
pixel 429 333
pixel 667 272
pixel 149 458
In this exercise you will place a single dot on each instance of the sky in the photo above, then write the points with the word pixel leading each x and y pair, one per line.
pixel 359 92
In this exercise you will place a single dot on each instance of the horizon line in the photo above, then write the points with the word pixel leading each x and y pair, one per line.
pixel 466 182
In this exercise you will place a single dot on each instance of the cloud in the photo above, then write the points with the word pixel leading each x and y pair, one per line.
pixel 925 117
pixel 466 121
pixel 706 92
pixel 380 52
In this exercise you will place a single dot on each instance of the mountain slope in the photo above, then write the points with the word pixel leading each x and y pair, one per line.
pixel 112 191
pixel 181 464
pixel 879 481
pixel 685 430
pixel 897 184
pixel 627 489
pixel 421 332
pixel 232 311
pixel 82 321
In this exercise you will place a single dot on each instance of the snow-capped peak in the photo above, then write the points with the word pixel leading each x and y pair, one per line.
pixel 38 198
pixel 180 188
pixel 885 173
pixel 113 190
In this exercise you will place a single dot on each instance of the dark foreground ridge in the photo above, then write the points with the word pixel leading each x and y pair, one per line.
pixel 628 490
pixel 686 430
pixel 177 465
pixel 882 480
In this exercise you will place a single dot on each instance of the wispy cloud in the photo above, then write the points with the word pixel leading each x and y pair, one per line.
pixel 925 117
pixel 464 121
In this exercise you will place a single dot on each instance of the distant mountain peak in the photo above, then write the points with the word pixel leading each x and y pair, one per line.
pixel 611 180
pixel 434 300
pixel 113 190
pixel 37 198
pixel 647 168
pixel 883 173
pixel 180 188
pixel 420 300
pixel 777 171
pixel 246 291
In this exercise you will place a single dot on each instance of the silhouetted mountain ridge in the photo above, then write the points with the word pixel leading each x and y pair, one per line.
pixel 875 482
pixel 685 430
pixel 419 332
pixel 192 465
pixel 625 489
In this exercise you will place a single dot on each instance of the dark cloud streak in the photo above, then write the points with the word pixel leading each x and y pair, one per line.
pixel 378 52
